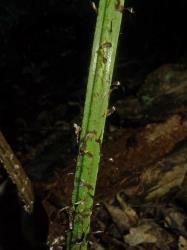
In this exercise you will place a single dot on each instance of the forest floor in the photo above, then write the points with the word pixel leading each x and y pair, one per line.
pixel 140 199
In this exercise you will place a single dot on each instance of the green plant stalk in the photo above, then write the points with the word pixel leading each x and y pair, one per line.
pixel 95 113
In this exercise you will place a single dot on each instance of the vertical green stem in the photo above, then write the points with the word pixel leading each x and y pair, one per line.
pixel 95 112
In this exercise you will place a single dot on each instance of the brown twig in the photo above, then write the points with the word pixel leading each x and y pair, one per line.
pixel 17 174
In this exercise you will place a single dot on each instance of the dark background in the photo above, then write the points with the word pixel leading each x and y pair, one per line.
pixel 44 57
pixel 45 50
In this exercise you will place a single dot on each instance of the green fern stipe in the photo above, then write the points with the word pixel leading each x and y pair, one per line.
pixel 95 112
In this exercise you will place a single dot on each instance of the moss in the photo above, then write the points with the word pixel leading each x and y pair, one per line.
pixel 169 76
pixel 147 100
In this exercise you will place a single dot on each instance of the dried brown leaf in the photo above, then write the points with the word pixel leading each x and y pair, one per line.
pixel 149 232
